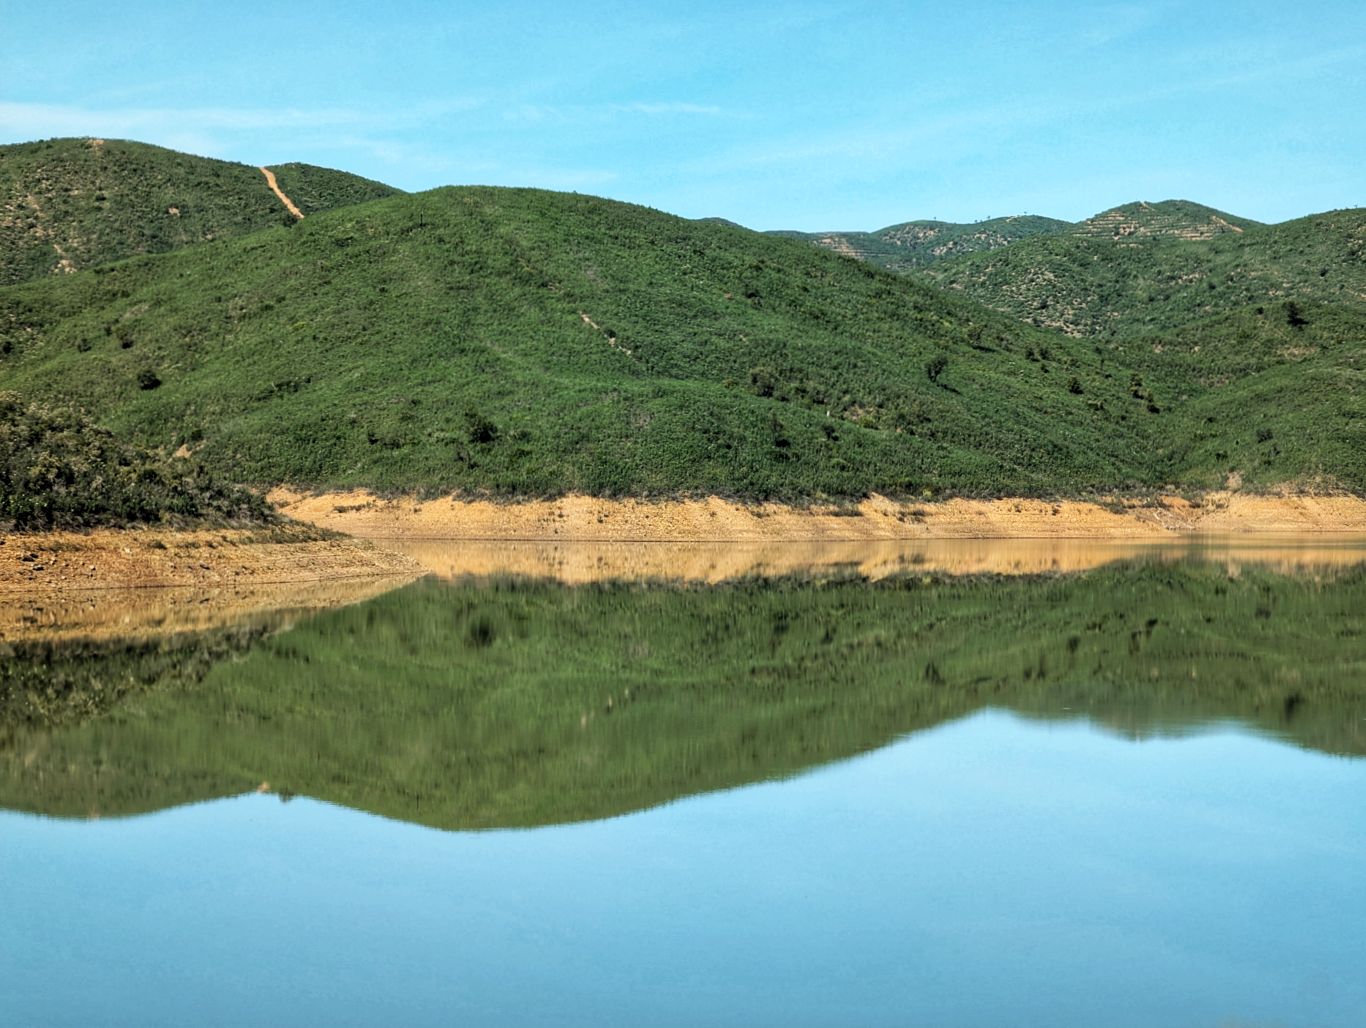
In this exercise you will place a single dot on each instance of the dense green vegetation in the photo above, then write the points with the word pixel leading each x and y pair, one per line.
pixel 520 703
pixel 1097 285
pixel 1276 392
pixel 516 342
pixel 57 470
pixel 1255 334
pixel 524 342
pixel 54 685
pixel 918 244
pixel 67 204
pixel 915 244
pixel 519 341
pixel 1134 269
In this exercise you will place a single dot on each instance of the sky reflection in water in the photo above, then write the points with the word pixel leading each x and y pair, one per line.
pixel 990 871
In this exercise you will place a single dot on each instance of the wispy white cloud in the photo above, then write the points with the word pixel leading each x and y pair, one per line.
pixel 605 111
pixel 1114 22
pixel 933 138
pixel 20 120
pixel 640 107
pixel 26 119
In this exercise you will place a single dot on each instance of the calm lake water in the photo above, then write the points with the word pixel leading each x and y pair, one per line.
pixel 1128 795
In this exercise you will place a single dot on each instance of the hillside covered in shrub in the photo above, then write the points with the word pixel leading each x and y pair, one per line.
pixel 515 342
pixel 525 342
pixel 1099 284
pixel 57 470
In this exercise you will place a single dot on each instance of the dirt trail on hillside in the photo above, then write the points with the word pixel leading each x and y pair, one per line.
pixel 712 519
pixel 275 188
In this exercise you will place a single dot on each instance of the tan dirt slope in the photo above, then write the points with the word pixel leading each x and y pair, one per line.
pixel 713 519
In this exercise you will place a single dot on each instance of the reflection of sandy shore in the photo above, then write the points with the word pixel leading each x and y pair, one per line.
pixel 131 583
pixel 575 562
pixel 143 613
pixel 712 519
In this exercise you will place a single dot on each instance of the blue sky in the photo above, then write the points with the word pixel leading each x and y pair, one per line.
pixel 779 115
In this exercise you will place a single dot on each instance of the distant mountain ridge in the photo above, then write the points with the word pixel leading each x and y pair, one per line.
pixel 1169 219
pixel 1138 267
pixel 915 244
pixel 70 204
pixel 1131 275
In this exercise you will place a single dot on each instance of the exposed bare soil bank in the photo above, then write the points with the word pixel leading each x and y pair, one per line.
pixel 109 583
pixel 713 519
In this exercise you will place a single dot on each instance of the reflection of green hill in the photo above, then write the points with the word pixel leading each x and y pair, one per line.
pixel 520 704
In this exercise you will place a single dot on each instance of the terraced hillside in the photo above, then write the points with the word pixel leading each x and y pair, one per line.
pixel 1168 219
pixel 1130 276
pixel 915 244
pixel 69 204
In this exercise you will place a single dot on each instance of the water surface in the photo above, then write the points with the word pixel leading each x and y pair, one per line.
pixel 1128 795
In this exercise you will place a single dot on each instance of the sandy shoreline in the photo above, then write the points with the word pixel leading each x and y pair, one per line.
pixel 591 519
pixel 130 582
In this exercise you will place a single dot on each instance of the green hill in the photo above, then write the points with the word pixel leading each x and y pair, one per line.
pixel 919 244
pixel 1113 282
pixel 1267 395
pixel 68 204
pixel 1140 267
pixel 915 244
pixel 519 341
pixel 525 703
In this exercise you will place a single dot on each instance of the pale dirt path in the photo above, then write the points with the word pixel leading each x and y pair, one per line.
pixel 275 188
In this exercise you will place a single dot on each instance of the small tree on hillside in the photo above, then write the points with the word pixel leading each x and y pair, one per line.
pixel 935 366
